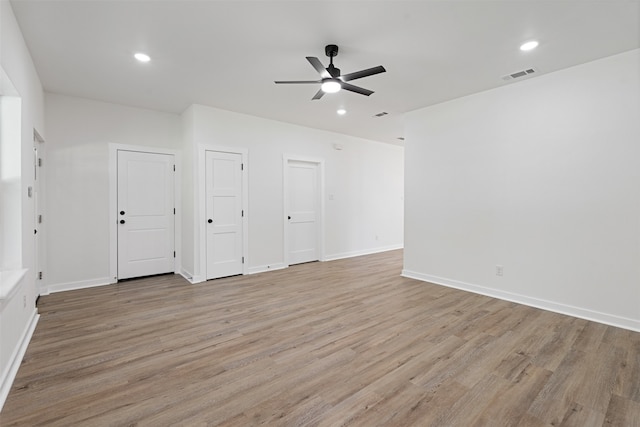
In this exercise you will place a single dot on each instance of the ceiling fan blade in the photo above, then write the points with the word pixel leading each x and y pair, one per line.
pixel 318 95
pixel 315 62
pixel 356 89
pixel 363 73
pixel 303 82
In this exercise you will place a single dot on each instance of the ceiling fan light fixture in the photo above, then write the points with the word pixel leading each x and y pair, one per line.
pixel 331 86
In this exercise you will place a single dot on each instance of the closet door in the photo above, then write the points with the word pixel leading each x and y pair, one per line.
pixel 224 215
pixel 146 214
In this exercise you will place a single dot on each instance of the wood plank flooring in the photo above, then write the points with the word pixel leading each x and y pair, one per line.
pixel 346 342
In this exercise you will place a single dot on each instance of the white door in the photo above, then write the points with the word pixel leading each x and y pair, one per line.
pixel 303 211
pixel 146 214
pixel 224 214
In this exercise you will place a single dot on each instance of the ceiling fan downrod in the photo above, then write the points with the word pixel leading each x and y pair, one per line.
pixel 331 50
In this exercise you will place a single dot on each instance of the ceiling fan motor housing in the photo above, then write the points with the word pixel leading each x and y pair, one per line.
pixel 331 50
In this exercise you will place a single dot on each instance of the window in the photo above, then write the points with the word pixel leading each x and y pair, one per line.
pixel 10 176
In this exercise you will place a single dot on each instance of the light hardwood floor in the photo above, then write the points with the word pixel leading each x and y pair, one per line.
pixel 346 342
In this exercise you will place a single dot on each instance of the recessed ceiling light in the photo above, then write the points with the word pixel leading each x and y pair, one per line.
pixel 341 111
pixel 529 45
pixel 142 57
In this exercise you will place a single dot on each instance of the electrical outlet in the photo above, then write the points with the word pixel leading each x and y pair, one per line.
pixel 499 270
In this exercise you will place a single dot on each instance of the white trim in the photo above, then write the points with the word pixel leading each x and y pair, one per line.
pixel 81 284
pixel 269 267
pixel 582 313
pixel 39 208
pixel 113 203
pixel 188 276
pixel 9 375
pixel 200 213
pixel 197 279
pixel 286 157
pixel 352 254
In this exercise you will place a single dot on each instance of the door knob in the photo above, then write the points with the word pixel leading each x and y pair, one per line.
pixel 289 217
pixel 121 212
pixel 209 221
pixel 122 221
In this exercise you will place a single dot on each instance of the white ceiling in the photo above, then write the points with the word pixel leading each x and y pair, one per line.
pixel 227 54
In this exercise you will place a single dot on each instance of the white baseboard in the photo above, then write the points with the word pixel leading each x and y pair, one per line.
pixel 264 268
pixel 16 358
pixel 81 284
pixel 332 257
pixel 281 265
pixel 250 270
pixel 187 275
pixel 582 313
pixel 197 279
pixel 352 254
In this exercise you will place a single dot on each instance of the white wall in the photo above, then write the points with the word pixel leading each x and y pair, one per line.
pixel 79 132
pixel 365 179
pixel 18 315
pixel 540 176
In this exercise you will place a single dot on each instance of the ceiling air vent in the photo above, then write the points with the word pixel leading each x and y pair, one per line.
pixel 384 113
pixel 519 74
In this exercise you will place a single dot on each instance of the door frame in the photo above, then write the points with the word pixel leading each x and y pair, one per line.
pixel 200 216
pixel 39 212
pixel 113 203
pixel 286 158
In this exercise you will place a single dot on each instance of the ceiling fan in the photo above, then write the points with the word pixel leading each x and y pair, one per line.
pixel 331 80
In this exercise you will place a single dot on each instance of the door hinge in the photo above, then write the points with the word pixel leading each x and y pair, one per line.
pixel 243 213
pixel 241 166
pixel 39 219
pixel 243 260
pixel 174 211
pixel 39 275
pixel 174 168
pixel 174 254
pixel 39 161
